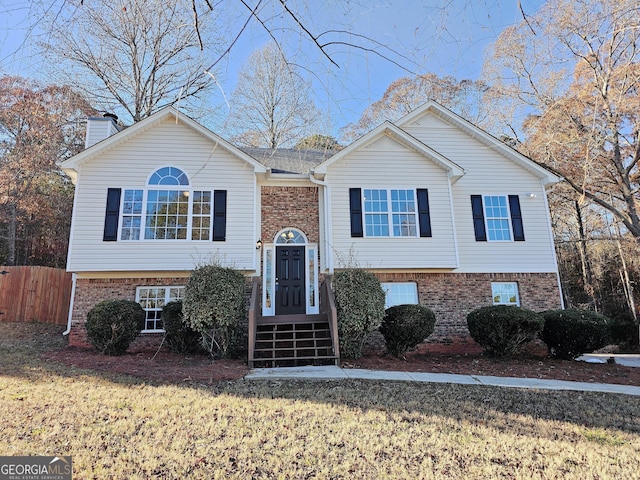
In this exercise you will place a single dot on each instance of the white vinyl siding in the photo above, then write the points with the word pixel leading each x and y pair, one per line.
pixel 489 173
pixel 388 165
pixel 98 129
pixel 128 166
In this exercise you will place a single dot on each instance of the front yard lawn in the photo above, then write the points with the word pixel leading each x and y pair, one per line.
pixel 117 426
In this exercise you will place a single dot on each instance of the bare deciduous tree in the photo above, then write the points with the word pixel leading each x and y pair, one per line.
pixel 137 55
pixel 271 106
pixel 573 69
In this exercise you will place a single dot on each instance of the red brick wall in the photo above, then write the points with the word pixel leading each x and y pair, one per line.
pixel 284 207
pixel 90 291
pixel 452 296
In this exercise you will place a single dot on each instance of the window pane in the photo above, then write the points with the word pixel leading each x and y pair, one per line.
pixel 497 217
pixel 375 207
pixel 290 236
pixel 153 299
pixel 131 215
pixel 404 222
pixel 175 294
pixel 167 215
pixel 268 271
pixel 404 226
pixel 377 225
pixel 403 206
pixel 201 215
pixel 312 273
pixel 169 176
pixel 400 293
pixel 505 293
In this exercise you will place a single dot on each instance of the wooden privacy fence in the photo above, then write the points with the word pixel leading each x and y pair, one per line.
pixel 34 293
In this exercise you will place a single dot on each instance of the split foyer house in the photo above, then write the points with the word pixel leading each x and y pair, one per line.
pixel 443 213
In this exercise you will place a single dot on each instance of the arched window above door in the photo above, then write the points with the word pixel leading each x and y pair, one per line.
pixel 290 236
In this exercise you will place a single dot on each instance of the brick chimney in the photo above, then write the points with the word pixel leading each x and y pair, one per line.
pixel 99 128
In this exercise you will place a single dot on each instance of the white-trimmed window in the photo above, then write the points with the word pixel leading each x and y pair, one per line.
pixel 152 300
pixel 390 213
pixel 497 218
pixel 400 293
pixel 496 213
pixel 505 293
pixel 169 209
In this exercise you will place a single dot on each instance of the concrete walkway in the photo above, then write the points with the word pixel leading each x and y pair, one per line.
pixel 626 359
pixel 337 373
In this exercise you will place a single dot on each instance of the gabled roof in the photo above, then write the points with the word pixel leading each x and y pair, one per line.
pixel 390 130
pixel 483 137
pixel 71 165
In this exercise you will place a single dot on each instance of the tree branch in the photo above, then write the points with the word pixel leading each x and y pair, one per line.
pixel 237 37
pixel 311 36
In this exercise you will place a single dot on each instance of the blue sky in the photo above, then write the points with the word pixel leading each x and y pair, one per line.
pixel 446 37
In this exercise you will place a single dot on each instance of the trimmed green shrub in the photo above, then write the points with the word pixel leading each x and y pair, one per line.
pixel 572 332
pixel 503 329
pixel 214 305
pixel 113 324
pixel 180 337
pixel 405 326
pixel 360 308
pixel 624 332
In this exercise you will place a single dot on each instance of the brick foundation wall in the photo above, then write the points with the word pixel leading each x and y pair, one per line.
pixel 90 291
pixel 452 296
pixel 284 207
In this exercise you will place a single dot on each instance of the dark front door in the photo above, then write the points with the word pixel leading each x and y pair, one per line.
pixel 290 280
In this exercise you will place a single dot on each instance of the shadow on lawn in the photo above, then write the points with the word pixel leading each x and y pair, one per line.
pixel 23 350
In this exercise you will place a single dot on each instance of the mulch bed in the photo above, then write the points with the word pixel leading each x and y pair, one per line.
pixel 164 366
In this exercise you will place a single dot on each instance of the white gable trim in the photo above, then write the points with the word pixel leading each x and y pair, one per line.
pixel 390 130
pixel 480 135
pixel 72 165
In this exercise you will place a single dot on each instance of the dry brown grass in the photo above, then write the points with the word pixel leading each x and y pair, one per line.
pixel 120 427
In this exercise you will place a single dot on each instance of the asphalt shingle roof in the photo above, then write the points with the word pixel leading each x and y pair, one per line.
pixel 288 160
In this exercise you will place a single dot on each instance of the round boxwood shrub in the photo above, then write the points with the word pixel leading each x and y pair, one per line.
pixel 624 333
pixel 180 337
pixel 572 332
pixel 214 305
pixel 503 329
pixel 359 306
pixel 405 326
pixel 113 324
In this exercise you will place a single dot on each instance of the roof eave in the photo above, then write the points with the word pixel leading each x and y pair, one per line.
pixel 484 137
pixel 99 148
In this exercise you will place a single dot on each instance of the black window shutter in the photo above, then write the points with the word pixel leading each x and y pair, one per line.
pixel 219 215
pixel 516 218
pixel 478 218
pixel 355 206
pixel 112 215
pixel 424 217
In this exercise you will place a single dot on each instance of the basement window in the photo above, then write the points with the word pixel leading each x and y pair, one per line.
pixel 400 293
pixel 505 293
pixel 152 300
